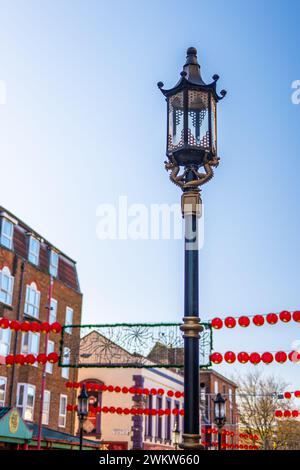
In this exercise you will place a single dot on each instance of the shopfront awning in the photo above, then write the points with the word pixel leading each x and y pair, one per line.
pixel 12 427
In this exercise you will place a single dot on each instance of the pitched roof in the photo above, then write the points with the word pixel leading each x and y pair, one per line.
pixel 49 434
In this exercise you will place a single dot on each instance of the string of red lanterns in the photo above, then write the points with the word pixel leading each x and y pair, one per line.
pixel 287 413
pixel 288 395
pixel 133 390
pixel 231 446
pixel 255 358
pixel 258 320
pixel 226 432
pixel 34 326
pixel 133 411
pixel 30 359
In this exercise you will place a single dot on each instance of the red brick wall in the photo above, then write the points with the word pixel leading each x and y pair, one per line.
pixel 65 296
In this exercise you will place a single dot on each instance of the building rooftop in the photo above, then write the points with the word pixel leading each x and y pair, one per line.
pixel 66 271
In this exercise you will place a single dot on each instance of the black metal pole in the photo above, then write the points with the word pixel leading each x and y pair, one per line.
pixel 219 439
pixel 81 433
pixel 191 344
pixel 191 327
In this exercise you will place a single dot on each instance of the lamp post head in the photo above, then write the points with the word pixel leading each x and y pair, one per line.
pixel 192 115
pixel 219 410
pixel 83 406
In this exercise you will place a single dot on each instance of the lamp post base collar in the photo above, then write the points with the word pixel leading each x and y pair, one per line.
pixel 191 442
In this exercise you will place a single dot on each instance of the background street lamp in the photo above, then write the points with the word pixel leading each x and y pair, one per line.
pixel 175 435
pixel 191 144
pixel 220 416
pixel 82 412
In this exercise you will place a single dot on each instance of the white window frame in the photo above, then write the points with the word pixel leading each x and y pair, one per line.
pixel 49 365
pixel 24 407
pixel 3 381
pixel 46 408
pixel 53 266
pixel 63 416
pixel 65 371
pixel 5 339
pixel 33 256
pixel 6 293
pixel 216 387
pixel 28 349
pixel 53 310
pixel 7 239
pixel 32 308
pixel 69 321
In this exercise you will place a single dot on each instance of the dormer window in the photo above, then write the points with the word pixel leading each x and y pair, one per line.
pixel 34 250
pixel 7 231
pixel 53 266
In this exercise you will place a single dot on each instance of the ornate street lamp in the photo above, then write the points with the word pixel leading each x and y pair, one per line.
pixel 220 416
pixel 82 411
pixel 175 435
pixel 191 144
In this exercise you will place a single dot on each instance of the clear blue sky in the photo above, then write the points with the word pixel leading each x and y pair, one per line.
pixel 85 123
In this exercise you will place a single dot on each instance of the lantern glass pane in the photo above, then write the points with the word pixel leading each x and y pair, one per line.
pixel 198 126
pixel 175 131
pixel 214 126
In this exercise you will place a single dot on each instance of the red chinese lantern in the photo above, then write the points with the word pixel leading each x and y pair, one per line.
pixel 53 357
pixel 153 391
pixel 217 323
pixel 255 358
pixel 69 407
pixel 278 414
pixel 105 409
pixel 126 411
pixel 146 391
pixel 45 327
pixel 55 327
pixel 35 327
pixel 280 357
pixel 230 322
pixel 296 316
pixel 119 410
pixel 117 389
pixel 110 388
pixel 177 394
pixel 15 325
pixel 170 393
pixel 294 356
pixel 10 360
pixel 112 409
pixel 285 316
pixel 19 359
pixel 4 323
pixel 69 385
pixel 258 320
pixel 295 413
pixel 287 414
pixel 230 357
pixel 124 389
pixel 267 357
pixel 244 321
pixel 297 393
pixel 243 357
pixel 41 358
pixel 25 326
pixel 160 391
pixel 287 395
pixel 216 358
pixel 29 359
pixel 272 318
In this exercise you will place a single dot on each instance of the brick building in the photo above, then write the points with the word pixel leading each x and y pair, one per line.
pixel 27 264
pixel 211 383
